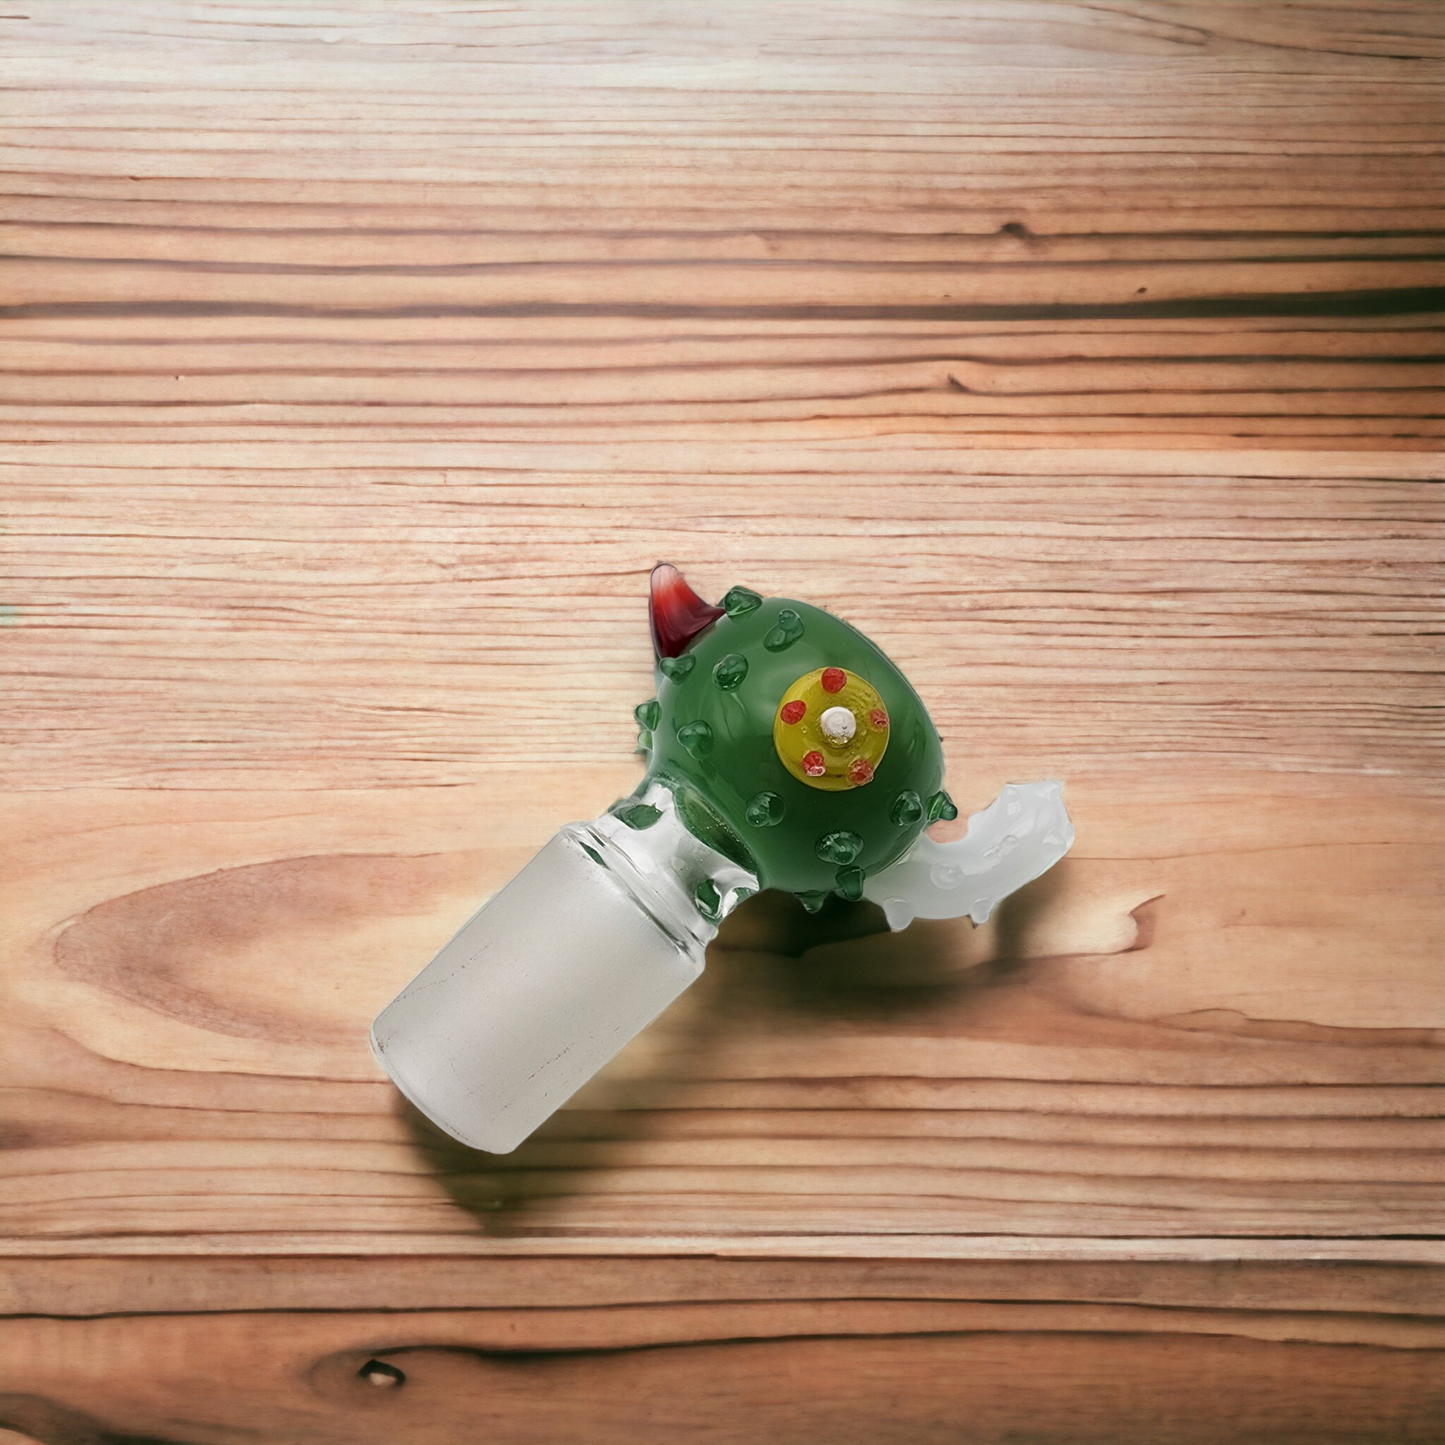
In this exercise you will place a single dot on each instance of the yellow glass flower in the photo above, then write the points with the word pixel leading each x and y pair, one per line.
pixel 831 730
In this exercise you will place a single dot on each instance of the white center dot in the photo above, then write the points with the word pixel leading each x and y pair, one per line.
pixel 838 725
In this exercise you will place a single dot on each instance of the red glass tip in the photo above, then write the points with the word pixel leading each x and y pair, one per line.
pixel 677 613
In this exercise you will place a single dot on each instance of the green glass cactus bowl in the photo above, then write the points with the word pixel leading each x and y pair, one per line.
pixel 715 736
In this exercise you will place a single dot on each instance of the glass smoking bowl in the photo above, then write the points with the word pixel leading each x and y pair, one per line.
pixel 784 751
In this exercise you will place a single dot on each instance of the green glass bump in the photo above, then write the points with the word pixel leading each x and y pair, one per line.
pixel 644 742
pixel 593 854
pixel 813 901
pixel 907 809
pixel 839 847
pixel 765 810
pixel 708 900
pixel 740 601
pixel 697 738
pixel 850 883
pixel 637 815
pixel 940 805
pixel 742 893
pixel 730 671
pixel 788 630
pixel 676 669
pixel 648 714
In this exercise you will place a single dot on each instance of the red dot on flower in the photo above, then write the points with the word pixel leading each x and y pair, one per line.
pixel 814 765
pixel 833 679
pixel 793 711
pixel 860 770
pixel 878 719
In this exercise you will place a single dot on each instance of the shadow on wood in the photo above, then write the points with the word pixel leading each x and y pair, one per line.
pixel 839 964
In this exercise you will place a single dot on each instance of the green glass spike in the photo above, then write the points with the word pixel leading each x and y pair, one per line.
pixel 740 601
pixel 697 738
pixel 765 810
pixel 840 846
pixel 940 805
pixel 730 671
pixel 907 809
pixel 789 629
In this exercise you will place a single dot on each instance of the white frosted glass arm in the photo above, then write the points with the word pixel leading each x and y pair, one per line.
pixel 1021 834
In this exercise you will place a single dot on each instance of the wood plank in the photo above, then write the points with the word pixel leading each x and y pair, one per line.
pixel 610 224
pixel 348 617
pixel 1169 1035
pixel 906 1375
pixel 357 362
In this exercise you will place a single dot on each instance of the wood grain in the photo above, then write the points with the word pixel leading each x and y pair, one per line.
pixel 1176 224
pixel 357 364
pixel 295 617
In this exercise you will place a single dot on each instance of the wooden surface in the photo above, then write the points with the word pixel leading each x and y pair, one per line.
pixel 359 361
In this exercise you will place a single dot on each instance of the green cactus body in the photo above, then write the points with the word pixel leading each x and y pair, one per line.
pixel 713 744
